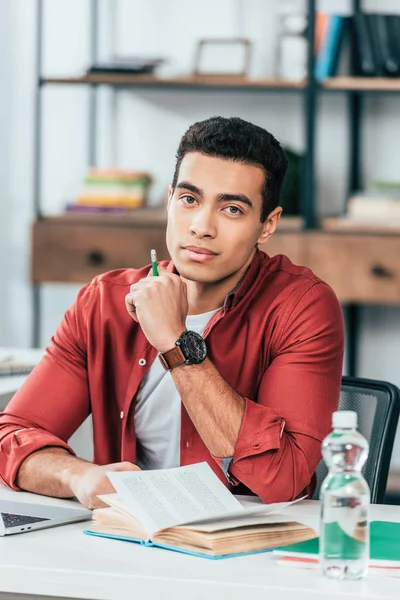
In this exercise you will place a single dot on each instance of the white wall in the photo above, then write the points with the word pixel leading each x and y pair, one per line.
pixel 146 128
pixel 5 128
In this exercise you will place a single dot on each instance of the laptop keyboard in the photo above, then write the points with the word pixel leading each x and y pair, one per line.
pixel 10 520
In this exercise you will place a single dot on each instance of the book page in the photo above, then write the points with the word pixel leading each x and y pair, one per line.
pixel 167 497
pixel 263 514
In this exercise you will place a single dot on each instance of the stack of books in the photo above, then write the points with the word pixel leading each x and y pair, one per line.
pixel 380 202
pixel 384 550
pixel 112 190
pixel 374 37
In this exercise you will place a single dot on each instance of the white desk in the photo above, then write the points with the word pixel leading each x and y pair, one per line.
pixel 64 562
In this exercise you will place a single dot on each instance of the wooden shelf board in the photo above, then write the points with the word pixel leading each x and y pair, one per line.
pixel 143 216
pixel 345 225
pixel 367 84
pixel 188 82
pixel 238 82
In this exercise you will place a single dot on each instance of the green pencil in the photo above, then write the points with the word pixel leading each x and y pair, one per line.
pixel 153 255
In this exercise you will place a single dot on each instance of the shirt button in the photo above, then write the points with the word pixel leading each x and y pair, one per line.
pixel 121 414
pixel 187 444
pixel 256 446
pixel 142 362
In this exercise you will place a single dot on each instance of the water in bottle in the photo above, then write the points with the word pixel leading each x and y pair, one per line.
pixel 345 498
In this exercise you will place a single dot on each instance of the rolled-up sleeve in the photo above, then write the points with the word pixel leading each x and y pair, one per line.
pixel 279 442
pixel 54 400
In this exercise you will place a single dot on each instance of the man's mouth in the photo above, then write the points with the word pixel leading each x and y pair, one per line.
pixel 200 250
pixel 199 254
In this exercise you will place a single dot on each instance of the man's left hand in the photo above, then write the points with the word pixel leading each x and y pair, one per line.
pixel 159 304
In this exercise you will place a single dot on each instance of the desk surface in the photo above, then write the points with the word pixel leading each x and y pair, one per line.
pixel 63 562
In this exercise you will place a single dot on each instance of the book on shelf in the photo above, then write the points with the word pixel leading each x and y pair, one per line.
pixel 112 189
pixel 321 24
pixel 329 49
pixel 376 40
pixel 377 204
pixel 188 509
pixel 384 547
pixel 384 45
pixel 364 55
pixel 127 65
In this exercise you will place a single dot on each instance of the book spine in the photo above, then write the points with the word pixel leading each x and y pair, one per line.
pixel 365 60
pixel 321 25
pixel 391 26
pixel 327 57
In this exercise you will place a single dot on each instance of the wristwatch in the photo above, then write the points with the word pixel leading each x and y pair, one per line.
pixel 190 349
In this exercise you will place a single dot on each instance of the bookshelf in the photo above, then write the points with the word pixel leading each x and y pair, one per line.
pixel 77 247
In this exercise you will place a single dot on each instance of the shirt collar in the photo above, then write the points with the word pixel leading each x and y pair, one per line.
pixel 244 285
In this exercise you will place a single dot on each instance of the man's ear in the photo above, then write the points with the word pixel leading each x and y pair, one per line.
pixel 270 224
pixel 170 192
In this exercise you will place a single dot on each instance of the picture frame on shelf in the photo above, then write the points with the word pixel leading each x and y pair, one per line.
pixel 229 57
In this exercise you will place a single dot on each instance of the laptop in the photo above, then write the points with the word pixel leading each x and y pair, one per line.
pixel 18 517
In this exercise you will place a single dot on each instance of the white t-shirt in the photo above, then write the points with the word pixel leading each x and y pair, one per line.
pixel 158 411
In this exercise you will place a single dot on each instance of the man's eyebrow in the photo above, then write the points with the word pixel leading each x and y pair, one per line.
pixel 185 185
pixel 235 198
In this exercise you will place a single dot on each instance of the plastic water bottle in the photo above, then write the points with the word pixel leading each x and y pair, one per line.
pixel 345 499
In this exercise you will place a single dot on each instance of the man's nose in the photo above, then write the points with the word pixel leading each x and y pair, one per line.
pixel 203 224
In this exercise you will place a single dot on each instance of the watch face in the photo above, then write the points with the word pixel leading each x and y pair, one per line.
pixel 193 347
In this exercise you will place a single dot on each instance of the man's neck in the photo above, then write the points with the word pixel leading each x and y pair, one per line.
pixel 205 297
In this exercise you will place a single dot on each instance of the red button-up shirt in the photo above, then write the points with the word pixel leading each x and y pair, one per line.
pixel 278 341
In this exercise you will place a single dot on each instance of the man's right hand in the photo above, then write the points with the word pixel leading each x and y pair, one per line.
pixel 93 481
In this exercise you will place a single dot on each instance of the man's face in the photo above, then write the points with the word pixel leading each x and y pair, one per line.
pixel 214 217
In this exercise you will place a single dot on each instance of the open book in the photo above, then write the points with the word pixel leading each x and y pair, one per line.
pixel 188 509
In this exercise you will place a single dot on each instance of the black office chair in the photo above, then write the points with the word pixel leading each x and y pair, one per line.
pixel 377 405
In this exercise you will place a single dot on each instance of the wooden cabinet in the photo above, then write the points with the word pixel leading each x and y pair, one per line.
pixel 74 249
pixel 361 267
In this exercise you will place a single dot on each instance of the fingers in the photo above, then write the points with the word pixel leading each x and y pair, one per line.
pixel 151 280
pixel 130 307
pixel 125 466
pixel 97 503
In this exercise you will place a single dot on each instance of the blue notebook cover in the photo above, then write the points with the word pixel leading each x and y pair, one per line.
pixel 172 548
pixel 327 56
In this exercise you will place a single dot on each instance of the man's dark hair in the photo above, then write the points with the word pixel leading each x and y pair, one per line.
pixel 240 141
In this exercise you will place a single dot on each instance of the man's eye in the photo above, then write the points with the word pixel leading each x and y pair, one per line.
pixel 188 199
pixel 234 210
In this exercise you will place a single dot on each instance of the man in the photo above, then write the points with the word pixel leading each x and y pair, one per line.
pixel 252 346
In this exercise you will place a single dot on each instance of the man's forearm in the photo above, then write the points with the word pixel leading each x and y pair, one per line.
pixel 214 407
pixel 50 472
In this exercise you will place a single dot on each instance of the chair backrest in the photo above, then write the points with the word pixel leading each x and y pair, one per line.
pixel 377 405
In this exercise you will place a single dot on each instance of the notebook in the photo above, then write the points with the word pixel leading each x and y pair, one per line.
pixel 384 546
